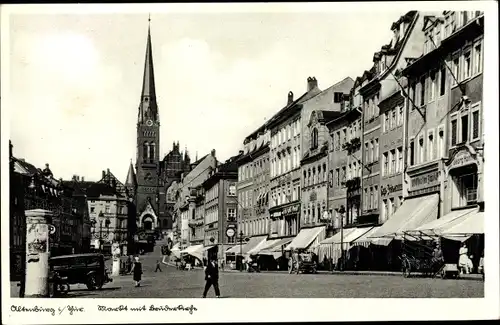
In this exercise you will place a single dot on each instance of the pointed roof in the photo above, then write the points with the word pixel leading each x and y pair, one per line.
pixel 148 81
pixel 131 179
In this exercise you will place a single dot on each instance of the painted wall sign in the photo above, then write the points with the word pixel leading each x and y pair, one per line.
pixel 291 209
pixel 461 159
pixel 425 180
pixel 388 189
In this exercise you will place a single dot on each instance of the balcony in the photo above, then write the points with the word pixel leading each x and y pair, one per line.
pixel 193 223
pixel 353 183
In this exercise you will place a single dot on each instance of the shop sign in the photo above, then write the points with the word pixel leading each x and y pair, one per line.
pixel 461 159
pixel 291 210
pixel 276 214
pixel 425 180
pixel 388 189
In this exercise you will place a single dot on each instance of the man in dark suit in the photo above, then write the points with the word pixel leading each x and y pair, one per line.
pixel 211 278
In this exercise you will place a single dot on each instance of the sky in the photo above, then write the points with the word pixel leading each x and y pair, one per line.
pixel 75 80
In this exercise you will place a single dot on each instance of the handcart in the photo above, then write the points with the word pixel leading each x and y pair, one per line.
pixel 301 261
pixel 421 254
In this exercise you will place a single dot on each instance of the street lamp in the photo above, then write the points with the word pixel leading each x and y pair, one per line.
pixel 241 238
pixel 341 211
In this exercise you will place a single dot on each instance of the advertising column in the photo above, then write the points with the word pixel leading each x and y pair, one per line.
pixel 37 252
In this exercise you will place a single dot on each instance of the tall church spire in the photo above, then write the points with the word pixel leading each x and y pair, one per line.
pixel 148 109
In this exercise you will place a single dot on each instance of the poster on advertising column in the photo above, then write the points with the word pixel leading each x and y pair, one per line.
pixel 37 239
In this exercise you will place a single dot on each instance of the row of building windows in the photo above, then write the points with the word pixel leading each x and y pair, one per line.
pixel 393 118
pixel 370 107
pixel 285 162
pixel 285 194
pixel 417 154
pixel 212 193
pixel 315 175
pixel 467 62
pixel 460 129
pixel 212 214
pixel 346 134
pixel 371 151
pixel 370 199
pixel 255 227
pixel 346 173
pixel 251 170
pixel 285 133
pixel 314 214
pixel 392 162
pixel 389 207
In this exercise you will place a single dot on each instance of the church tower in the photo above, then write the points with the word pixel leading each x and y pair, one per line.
pixel 148 145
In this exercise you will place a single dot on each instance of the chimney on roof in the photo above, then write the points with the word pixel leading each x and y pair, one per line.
pixel 107 171
pixel 83 178
pixel 290 98
pixel 213 152
pixel 10 148
pixel 311 83
pixel 103 174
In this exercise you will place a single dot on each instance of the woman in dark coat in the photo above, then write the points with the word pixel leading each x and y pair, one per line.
pixel 137 271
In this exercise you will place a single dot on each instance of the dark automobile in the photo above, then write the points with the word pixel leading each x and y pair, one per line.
pixel 88 269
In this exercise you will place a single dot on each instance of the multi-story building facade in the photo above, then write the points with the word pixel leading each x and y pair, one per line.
pixel 315 166
pixel 43 191
pixel 108 217
pixel 446 156
pixel 184 208
pixel 345 167
pixel 220 208
pixel 383 120
pixel 285 155
pixel 196 222
pixel 316 114
pixel 253 184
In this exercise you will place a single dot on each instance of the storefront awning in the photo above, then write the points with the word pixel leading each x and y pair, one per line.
pixel 306 237
pixel 337 238
pixel 413 213
pixel 274 247
pixel 206 248
pixel 364 240
pixel 254 241
pixel 257 248
pixel 471 224
pixel 195 250
pixel 447 221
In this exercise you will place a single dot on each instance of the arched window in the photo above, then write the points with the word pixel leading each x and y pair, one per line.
pixel 152 152
pixel 314 139
pixel 145 151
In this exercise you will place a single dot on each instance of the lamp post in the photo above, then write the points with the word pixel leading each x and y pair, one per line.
pixel 241 238
pixel 341 211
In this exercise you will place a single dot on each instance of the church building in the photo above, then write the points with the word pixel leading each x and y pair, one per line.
pixel 146 184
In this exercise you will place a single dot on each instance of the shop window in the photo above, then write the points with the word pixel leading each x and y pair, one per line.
pixel 391 206
pixel 384 211
pixel 467 189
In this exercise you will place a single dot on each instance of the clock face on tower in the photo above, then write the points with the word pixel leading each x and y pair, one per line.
pixel 148 177
pixel 149 123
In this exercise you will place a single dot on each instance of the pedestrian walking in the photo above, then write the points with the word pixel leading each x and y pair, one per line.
pixel 157 266
pixel 212 278
pixel 137 271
